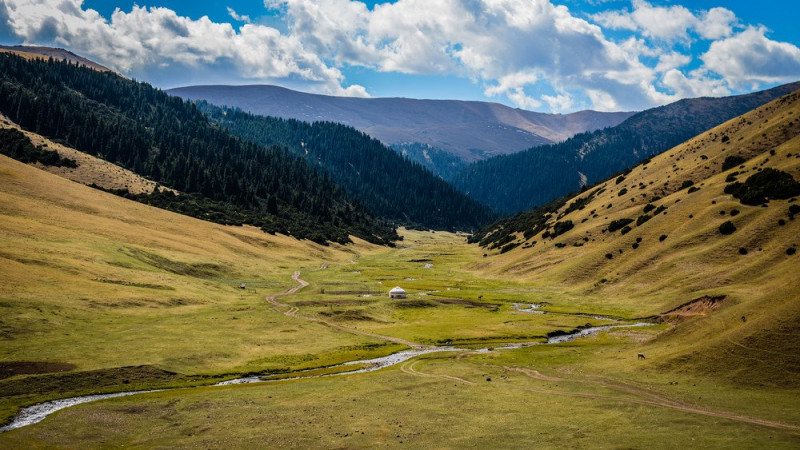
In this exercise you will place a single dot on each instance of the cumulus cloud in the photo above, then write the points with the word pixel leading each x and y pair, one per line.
pixel 750 58
pixel 669 23
pixel 160 38
pixel 532 53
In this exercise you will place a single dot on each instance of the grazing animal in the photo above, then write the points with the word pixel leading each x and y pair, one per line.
pixel 640 356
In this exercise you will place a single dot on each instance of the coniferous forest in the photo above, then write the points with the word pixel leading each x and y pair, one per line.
pixel 227 179
pixel 391 186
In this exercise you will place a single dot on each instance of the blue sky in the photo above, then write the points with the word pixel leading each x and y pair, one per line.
pixel 545 55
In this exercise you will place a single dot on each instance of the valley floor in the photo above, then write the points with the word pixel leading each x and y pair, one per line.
pixel 592 392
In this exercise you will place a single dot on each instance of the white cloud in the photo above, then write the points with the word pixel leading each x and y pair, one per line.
pixel 716 23
pixel 159 38
pixel 672 23
pixel 531 52
pixel 237 17
pixel 750 58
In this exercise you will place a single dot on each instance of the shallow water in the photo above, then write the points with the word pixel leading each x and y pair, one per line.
pixel 36 413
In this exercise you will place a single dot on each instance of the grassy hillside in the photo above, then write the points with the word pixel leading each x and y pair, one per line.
pixel 101 294
pixel 90 169
pixel 674 250
pixel 135 297
pixel 99 282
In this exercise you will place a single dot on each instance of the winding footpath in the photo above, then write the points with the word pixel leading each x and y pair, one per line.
pixel 292 311
pixel 38 412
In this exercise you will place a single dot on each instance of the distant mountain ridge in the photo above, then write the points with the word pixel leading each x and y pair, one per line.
pixel 514 183
pixel 472 130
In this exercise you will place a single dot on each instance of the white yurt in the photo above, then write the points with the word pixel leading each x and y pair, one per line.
pixel 397 292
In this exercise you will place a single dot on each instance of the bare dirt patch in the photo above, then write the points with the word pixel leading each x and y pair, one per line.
pixel 333 302
pixel 467 303
pixel 697 307
pixel 11 368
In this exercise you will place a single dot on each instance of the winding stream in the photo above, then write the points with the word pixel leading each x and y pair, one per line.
pixel 38 412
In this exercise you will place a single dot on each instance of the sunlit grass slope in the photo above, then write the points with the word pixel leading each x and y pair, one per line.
pixel 98 282
pixel 680 254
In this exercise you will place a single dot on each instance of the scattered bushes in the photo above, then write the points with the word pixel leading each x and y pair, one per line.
pixel 763 186
pixel 622 192
pixel 686 184
pixel 693 189
pixel 648 207
pixel 742 251
pixel 791 251
pixel 727 228
pixel 642 219
pixel 662 238
pixel 618 224
pixel 625 230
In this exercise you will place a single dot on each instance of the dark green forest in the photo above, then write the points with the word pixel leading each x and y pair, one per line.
pixel 517 182
pixel 227 179
pixel 14 144
pixel 391 186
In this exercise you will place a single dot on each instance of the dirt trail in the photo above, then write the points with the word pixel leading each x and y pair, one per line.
pixel 408 367
pixel 293 312
pixel 646 397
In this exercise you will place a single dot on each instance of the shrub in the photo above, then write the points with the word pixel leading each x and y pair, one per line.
pixel 734 212
pixel 686 184
pixel 767 184
pixel 561 227
pixel 625 230
pixel 791 251
pixel 731 162
pixel 693 189
pixel 662 238
pixel 648 207
pixel 622 192
pixel 727 228
pixel 609 256
pixel 742 251
pixel 635 245
pixel 793 209
pixel 642 219
pixel 618 224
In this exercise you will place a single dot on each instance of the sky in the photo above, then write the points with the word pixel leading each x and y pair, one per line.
pixel 554 56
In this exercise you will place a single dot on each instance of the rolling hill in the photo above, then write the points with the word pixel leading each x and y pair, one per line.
pixel 469 130
pixel 703 235
pixel 513 183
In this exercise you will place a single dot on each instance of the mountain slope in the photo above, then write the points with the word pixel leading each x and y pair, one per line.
pixel 59 54
pixel 526 179
pixel 392 187
pixel 169 141
pixel 470 130
pixel 667 233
